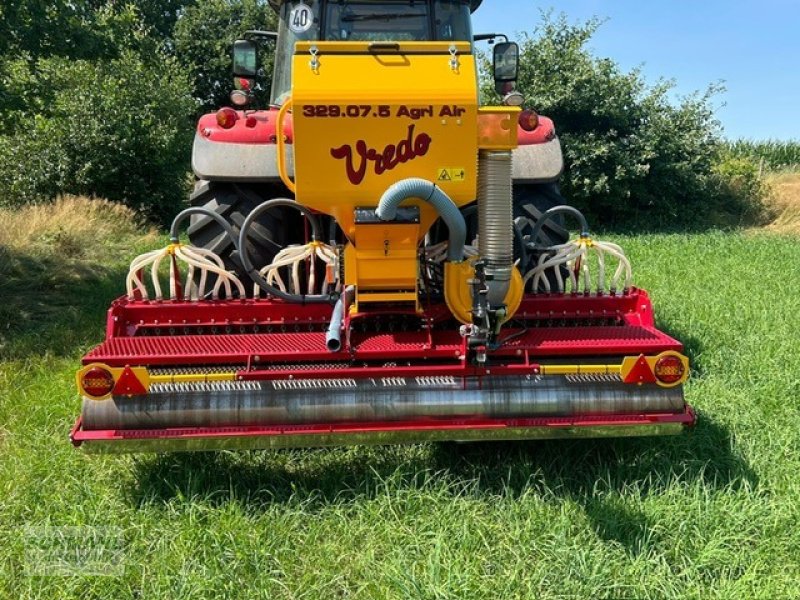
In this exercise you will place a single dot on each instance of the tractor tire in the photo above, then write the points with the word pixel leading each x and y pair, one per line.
pixel 530 202
pixel 234 202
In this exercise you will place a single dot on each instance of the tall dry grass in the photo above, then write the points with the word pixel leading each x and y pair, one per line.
pixel 70 227
pixel 785 202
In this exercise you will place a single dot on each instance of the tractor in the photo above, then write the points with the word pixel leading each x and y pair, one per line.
pixel 377 258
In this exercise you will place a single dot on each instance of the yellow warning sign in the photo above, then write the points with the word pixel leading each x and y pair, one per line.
pixel 451 175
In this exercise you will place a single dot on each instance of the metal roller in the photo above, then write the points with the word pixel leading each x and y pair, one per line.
pixel 283 402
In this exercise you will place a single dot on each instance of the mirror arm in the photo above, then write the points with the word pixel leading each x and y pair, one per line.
pixel 257 33
pixel 490 37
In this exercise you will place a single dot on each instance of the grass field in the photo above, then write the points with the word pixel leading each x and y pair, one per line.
pixel 710 514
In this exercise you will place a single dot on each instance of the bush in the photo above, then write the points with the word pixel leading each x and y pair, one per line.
pixel 738 191
pixel 117 128
pixel 632 155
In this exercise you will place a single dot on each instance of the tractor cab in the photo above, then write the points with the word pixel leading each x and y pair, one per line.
pixel 370 21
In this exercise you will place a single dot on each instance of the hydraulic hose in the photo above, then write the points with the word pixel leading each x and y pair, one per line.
pixel 248 264
pixel 428 192
pixel 333 339
pixel 174 230
pixel 560 210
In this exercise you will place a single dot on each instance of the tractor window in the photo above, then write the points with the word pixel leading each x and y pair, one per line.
pixel 377 22
pixel 297 23
pixel 452 20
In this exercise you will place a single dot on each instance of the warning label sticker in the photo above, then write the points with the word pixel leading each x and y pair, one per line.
pixel 451 175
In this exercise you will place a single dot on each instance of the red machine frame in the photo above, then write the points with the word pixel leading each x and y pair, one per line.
pixel 268 339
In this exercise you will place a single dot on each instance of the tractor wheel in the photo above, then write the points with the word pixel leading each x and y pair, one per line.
pixel 530 201
pixel 234 202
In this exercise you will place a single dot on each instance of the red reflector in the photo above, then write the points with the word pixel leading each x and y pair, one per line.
pixel 129 385
pixel 227 117
pixel 669 369
pixel 640 373
pixel 97 382
pixel 528 120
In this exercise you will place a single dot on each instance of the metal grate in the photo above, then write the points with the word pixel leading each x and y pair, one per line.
pixel 267 348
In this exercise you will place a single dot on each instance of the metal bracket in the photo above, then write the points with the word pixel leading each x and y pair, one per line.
pixel 454 62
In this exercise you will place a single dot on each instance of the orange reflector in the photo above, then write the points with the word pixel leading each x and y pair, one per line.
pixel 669 369
pixel 97 382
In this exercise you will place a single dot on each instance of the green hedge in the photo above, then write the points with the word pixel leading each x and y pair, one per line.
pixel 119 129
pixel 633 155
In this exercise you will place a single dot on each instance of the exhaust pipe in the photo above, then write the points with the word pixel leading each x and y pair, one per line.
pixel 496 222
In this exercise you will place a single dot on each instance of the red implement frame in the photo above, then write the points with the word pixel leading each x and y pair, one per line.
pixel 267 339
pixel 250 332
pixel 306 436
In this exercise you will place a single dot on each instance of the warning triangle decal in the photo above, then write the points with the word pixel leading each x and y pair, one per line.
pixel 640 372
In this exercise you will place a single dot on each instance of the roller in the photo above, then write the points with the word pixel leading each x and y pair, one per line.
pixel 301 402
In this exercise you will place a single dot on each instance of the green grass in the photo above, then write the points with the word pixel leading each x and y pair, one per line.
pixel 711 513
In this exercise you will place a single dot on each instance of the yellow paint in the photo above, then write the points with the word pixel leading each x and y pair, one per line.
pixel 417 78
pixel 147 380
pixel 281 141
pixel 450 175
pixel 580 369
pixel 382 263
pixel 630 362
pixel 192 378
pixel 458 291
pixel 365 118
pixel 497 127
pixel 140 372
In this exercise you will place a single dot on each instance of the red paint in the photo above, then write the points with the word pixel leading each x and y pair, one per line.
pixel 97 382
pixel 78 435
pixel 641 372
pixel 386 160
pixel 252 127
pixel 223 332
pixel 669 369
pixel 128 384
pixel 264 130
pixel 544 132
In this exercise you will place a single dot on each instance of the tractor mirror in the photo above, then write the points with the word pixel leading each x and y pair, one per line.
pixel 245 59
pixel 506 62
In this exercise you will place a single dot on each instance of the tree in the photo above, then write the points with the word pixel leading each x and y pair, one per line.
pixel 204 36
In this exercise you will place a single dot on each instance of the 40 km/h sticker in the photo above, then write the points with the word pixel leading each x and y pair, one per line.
pixel 451 175
pixel 301 18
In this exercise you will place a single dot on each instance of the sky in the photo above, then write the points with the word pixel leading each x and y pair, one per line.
pixel 751 46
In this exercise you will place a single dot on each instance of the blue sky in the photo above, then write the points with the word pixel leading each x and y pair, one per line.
pixel 752 46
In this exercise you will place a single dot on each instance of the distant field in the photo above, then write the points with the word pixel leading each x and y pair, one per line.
pixel 710 514
pixel 771 155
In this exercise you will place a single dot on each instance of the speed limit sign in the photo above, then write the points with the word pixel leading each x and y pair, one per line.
pixel 301 18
